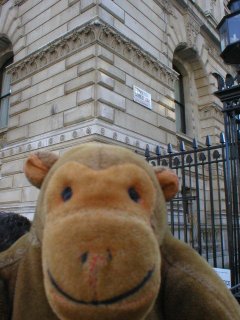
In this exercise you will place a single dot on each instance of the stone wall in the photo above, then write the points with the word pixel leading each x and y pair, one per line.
pixel 75 66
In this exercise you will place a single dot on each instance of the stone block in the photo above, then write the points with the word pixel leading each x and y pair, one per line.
pixel 6 182
pixel 121 88
pixel 80 57
pixel 49 37
pixel 63 103
pixel 35 114
pixel 14 99
pixel 150 13
pixel 17 134
pixel 49 72
pixel 111 70
pixel 143 43
pixel 204 91
pixel 141 112
pixel 86 66
pixel 170 114
pixel 18 108
pixel 105 80
pixel 46 125
pixel 105 112
pixel 105 54
pixel 20 49
pixel 58 18
pixel 72 2
pixel 30 9
pixel 78 114
pixel 133 124
pixel 20 181
pixel 20 86
pixel 113 9
pixel 87 4
pixel 166 124
pixel 106 16
pixel 12 167
pixel 39 19
pixel 80 82
pixel 13 122
pixel 47 96
pixel 111 98
pixel 50 83
pixel 29 194
pixel 85 17
pixel 86 95
pixel 10 196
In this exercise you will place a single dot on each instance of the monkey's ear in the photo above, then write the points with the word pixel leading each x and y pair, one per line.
pixel 37 166
pixel 168 181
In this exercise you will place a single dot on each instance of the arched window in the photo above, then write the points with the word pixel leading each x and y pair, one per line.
pixel 5 92
pixel 179 103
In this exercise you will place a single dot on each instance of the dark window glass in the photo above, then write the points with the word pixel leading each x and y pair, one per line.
pixel 179 103
pixel 5 92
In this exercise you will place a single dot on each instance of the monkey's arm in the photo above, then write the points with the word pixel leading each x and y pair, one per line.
pixel 190 287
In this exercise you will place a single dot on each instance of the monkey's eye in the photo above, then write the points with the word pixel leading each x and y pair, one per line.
pixel 133 194
pixel 67 194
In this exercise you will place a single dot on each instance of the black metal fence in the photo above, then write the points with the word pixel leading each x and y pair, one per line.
pixel 205 212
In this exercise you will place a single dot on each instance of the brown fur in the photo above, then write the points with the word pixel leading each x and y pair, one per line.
pixel 103 251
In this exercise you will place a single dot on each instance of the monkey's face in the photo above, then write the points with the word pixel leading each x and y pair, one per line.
pixel 101 259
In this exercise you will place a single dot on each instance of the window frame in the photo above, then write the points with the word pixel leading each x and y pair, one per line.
pixel 180 103
pixel 6 95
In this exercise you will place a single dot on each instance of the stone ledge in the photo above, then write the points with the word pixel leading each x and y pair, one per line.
pixel 84 36
pixel 71 135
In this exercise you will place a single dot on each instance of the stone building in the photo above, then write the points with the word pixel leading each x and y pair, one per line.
pixel 130 72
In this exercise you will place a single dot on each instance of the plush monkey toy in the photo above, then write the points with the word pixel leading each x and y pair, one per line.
pixel 100 248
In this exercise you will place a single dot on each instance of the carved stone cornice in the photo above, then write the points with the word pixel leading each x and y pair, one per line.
pixel 93 32
pixel 211 111
pixel 19 2
pixel 193 27
pixel 68 137
pixel 2 2
pixel 166 5
pixel 213 51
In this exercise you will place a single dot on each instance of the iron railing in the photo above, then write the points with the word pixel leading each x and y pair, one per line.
pixel 204 213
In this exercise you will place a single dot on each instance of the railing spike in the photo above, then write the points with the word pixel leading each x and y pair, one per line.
pixel 238 135
pixel 147 152
pixel 222 138
pixel 182 146
pixel 158 151
pixel 170 148
pixel 208 141
pixel 195 144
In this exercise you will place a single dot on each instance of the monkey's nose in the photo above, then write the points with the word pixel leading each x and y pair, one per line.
pixel 96 259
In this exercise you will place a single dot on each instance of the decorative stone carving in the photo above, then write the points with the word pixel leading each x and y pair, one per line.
pixel 19 2
pixel 74 134
pixel 52 139
pixel 167 6
pixel 90 34
pixel 212 6
pixel 127 140
pixel 212 111
pixel 3 140
pixel 192 29
pixel 88 131
pixel 214 52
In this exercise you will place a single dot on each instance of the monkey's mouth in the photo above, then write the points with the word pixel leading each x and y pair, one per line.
pixel 109 301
